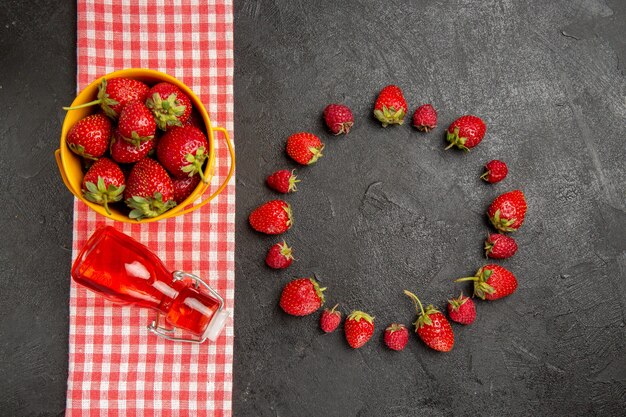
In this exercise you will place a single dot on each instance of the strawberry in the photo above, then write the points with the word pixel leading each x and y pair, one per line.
pixel 359 328
pixel 183 187
pixel 396 336
pixel 115 93
pixel 432 326
pixel 330 319
pixel 136 123
pixel 304 148
pixel 283 181
pixel 338 118
pixel 390 107
pixel 279 256
pixel 496 171
pixel 507 211
pixel 182 151
pixel 301 297
pixel 272 218
pixel 124 152
pixel 492 282
pixel 103 183
pixel 170 106
pixel 466 132
pixel 425 118
pixel 89 137
pixel 499 246
pixel 149 190
pixel 462 310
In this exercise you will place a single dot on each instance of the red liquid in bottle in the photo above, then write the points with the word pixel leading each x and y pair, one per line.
pixel 123 270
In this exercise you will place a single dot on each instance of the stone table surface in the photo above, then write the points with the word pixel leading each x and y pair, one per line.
pixel 383 210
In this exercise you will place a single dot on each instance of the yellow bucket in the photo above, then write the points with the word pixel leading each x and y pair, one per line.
pixel 70 164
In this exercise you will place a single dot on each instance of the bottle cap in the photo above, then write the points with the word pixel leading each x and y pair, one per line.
pixel 216 325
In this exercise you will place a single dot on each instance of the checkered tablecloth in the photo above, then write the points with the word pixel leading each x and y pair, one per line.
pixel 116 367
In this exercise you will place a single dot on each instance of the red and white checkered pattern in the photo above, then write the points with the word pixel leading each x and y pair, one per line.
pixel 116 367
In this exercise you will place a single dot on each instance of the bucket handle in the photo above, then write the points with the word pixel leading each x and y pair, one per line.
pixel 57 156
pixel 231 171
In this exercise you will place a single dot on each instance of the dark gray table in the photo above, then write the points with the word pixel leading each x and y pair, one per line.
pixel 384 210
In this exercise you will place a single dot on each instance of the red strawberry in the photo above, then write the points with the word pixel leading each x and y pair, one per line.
pixel 283 181
pixel 390 107
pixel 462 310
pixel 359 328
pixel 279 256
pixel 495 171
pixel 149 190
pixel 330 319
pixel 124 152
pixel 338 118
pixel 425 118
pixel 104 183
pixel 183 187
pixel 136 123
pixel 432 326
pixel 272 218
pixel 115 93
pixel 304 148
pixel 301 297
pixel 170 106
pixel 89 137
pixel 466 132
pixel 182 151
pixel 499 246
pixel 507 211
pixel 492 282
pixel 396 336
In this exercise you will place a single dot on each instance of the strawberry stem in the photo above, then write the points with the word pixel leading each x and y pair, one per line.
pixel 82 106
pixel 418 304
pixel 105 203
pixel 467 279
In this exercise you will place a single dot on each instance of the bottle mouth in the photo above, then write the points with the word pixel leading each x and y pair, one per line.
pixel 216 325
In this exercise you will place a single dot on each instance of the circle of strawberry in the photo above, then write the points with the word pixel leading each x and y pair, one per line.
pixel 390 107
pixel 466 132
pixel 89 137
pixel 272 218
pixel 103 183
pixel 136 123
pixel 183 187
pixel 279 256
pixel 283 181
pixel 169 105
pixel 396 336
pixel 330 319
pixel 507 211
pixel 182 151
pixel 462 310
pixel 124 152
pixel 492 282
pixel 358 328
pixel 432 326
pixel 304 148
pixel 499 246
pixel 338 118
pixel 495 171
pixel 425 118
pixel 149 190
pixel 301 297
pixel 115 93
